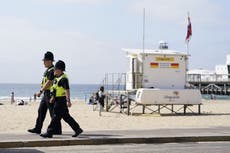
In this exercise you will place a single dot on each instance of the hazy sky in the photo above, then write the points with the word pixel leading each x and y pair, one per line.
pixel 89 34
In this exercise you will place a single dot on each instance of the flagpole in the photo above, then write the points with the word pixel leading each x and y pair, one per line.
pixel 187 66
pixel 187 46
pixel 143 47
pixel 187 59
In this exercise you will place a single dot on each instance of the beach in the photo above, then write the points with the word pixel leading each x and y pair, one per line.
pixel 214 113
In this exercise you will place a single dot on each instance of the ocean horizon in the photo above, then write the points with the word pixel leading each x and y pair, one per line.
pixel 24 91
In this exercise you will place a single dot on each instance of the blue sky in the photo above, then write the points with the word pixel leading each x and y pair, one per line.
pixel 89 34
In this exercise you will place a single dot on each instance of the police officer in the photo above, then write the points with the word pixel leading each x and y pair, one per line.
pixel 45 90
pixel 61 100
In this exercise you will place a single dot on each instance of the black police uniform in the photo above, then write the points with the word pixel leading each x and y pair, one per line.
pixel 44 105
pixel 61 111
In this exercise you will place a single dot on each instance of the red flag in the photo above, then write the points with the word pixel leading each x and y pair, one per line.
pixel 189 30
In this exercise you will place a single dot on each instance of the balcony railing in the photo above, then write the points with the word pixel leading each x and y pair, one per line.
pixel 208 77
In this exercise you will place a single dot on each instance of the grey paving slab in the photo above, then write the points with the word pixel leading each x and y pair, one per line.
pixel 11 140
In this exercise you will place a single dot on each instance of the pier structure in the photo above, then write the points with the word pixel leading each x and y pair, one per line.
pixel 218 84
pixel 215 81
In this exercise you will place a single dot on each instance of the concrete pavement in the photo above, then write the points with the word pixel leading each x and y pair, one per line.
pixel 16 140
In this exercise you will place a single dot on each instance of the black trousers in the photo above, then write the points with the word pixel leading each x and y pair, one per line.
pixel 101 102
pixel 42 110
pixel 61 111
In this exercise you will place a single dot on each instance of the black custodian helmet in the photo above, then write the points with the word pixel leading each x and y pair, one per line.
pixel 60 65
pixel 48 56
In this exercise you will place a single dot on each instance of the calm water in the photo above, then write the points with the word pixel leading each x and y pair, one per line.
pixel 26 91
pixel 218 97
pixel 78 91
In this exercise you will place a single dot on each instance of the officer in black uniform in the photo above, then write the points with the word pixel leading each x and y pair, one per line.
pixel 61 99
pixel 45 89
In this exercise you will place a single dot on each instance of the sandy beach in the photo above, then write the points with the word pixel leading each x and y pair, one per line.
pixel 214 113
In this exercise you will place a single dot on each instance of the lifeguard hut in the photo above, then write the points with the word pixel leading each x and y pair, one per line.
pixel 159 78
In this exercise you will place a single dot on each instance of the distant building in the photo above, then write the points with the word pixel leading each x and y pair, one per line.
pixel 201 75
pixel 221 73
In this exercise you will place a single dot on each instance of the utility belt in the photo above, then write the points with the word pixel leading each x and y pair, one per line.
pixel 46 93
pixel 60 99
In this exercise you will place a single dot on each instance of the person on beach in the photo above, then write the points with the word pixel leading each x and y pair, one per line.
pixel 35 97
pixel 101 98
pixel 61 99
pixel 12 98
pixel 45 90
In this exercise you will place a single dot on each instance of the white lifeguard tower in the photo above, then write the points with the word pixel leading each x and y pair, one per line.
pixel 157 68
pixel 159 76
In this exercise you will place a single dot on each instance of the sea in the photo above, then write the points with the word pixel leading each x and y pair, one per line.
pixel 27 91
pixel 78 92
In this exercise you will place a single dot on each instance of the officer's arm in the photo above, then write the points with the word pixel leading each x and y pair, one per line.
pixel 67 94
pixel 47 85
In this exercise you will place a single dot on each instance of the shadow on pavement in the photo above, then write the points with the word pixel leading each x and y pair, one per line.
pixel 20 151
pixel 88 136
pixel 97 135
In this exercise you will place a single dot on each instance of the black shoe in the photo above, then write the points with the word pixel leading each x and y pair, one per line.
pixel 46 135
pixel 79 131
pixel 34 131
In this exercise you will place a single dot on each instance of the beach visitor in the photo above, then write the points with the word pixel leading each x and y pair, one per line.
pixel 95 101
pixel 101 98
pixel 35 97
pixel 91 100
pixel 45 90
pixel 12 98
pixel 61 99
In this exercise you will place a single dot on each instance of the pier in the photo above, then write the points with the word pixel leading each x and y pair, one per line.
pixel 218 84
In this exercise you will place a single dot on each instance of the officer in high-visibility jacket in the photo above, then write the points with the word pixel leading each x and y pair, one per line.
pixel 46 85
pixel 61 99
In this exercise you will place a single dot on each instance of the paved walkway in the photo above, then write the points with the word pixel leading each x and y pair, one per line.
pixel 13 140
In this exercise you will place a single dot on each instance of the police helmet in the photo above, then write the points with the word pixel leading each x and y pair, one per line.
pixel 60 65
pixel 48 56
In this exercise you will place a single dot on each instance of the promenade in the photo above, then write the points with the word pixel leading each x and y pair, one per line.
pixel 115 128
pixel 17 140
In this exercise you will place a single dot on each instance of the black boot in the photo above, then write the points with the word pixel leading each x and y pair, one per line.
pixel 79 131
pixel 46 135
pixel 34 131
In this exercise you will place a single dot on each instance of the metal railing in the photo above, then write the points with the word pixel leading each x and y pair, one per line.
pixel 208 77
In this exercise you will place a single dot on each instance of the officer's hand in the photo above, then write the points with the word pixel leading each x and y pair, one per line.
pixel 52 100
pixel 69 104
